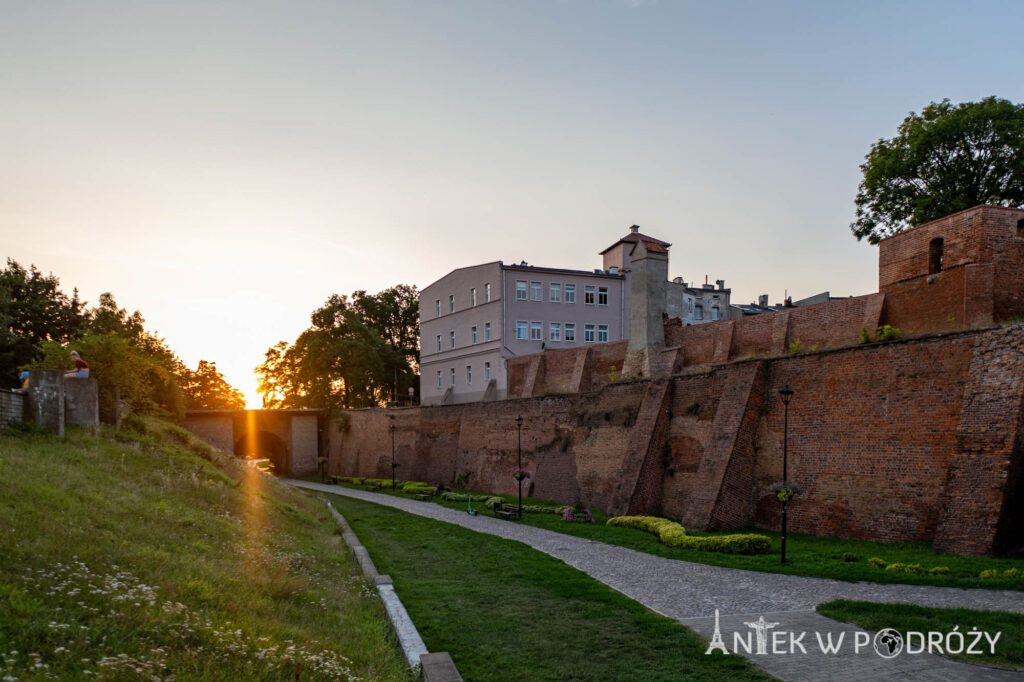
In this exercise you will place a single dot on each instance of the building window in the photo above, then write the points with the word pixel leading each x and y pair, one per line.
pixel 474 334
pixel 602 296
pixel 714 313
pixel 570 331
pixel 588 295
pixel 453 376
pixel 935 256
pixel 698 312
pixel 487 293
pixel 438 343
pixel 588 333
pixel 437 308
pixel 536 331
pixel 469 374
pixel 535 291
pixel 521 330
pixel 487 331
pixel 602 333
pixel 570 293
pixel 451 338
pixel 555 293
pixel 555 331
pixel 487 371
pixel 439 378
pixel 472 297
pixel 520 290
pixel 451 303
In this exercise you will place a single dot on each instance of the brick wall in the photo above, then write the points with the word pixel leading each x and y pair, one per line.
pixel 12 407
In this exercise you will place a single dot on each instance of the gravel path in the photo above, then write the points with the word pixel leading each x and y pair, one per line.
pixel 691 593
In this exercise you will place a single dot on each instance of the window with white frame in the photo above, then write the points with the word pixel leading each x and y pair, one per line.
pixel 588 295
pixel 474 334
pixel 555 293
pixel 453 376
pixel 439 378
pixel 588 333
pixel 487 293
pixel 570 293
pixel 437 308
pixel 472 297
pixel 555 331
pixel 451 338
pixel 521 327
pixel 570 331
pixel 602 333
pixel 469 374
pixel 602 296
pixel 520 290
pixel 536 291
pixel 451 303
pixel 487 331
pixel 536 331
pixel 439 343
pixel 487 371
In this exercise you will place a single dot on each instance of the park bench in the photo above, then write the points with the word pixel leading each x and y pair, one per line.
pixel 426 494
pixel 505 511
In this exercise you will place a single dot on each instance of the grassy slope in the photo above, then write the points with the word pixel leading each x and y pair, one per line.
pixel 806 555
pixel 127 556
pixel 1009 648
pixel 508 612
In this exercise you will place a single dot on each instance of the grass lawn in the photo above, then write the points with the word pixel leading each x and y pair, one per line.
pixel 507 612
pixel 1009 648
pixel 144 554
pixel 806 555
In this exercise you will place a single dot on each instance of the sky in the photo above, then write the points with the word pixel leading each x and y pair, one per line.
pixel 225 167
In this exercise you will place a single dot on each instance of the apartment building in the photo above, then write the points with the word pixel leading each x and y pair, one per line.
pixel 474 318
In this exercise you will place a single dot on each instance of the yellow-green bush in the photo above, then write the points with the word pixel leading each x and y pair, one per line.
pixel 414 487
pixel 672 534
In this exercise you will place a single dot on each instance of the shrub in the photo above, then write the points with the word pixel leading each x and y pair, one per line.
pixel 1013 573
pixel 672 534
pixel 796 347
pixel 938 570
pixel 916 569
pixel 414 487
pixel 896 568
pixel 887 333
pixel 877 562
pixel 864 336
pixel 989 574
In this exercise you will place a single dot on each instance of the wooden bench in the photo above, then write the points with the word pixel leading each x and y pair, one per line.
pixel 426 494
pixel 505 511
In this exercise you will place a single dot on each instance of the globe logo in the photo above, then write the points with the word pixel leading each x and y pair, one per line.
pixel 888 643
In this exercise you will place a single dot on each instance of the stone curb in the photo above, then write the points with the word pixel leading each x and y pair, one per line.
pixel 435 667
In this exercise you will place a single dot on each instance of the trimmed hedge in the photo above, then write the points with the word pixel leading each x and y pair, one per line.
pixel 414 487
pixel 672 534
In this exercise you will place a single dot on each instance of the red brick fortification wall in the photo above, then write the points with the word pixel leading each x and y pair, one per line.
pixel 573 445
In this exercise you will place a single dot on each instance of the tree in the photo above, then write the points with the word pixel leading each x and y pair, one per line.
pixel 206 388
pixel 359 351
pixel 943 160
pixel 33 310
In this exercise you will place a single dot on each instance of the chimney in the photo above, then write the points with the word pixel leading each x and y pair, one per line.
pixel 634 229
pixel 762 300
pixel 720 283
pixel 678 280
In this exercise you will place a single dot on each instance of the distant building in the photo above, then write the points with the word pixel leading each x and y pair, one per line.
pixel 474 318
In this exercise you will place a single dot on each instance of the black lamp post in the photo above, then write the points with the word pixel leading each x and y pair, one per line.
pixel 785 393
pixel 519 459
pixel 393 462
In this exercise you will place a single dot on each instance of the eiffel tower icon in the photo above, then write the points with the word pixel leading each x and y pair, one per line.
pixel 716 640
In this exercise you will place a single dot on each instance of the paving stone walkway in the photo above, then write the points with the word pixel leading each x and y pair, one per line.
pixel 690 593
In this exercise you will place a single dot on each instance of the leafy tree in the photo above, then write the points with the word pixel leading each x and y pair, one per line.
pixel 206 388
pixel 943 160
pixel 33 310
pixel 358 352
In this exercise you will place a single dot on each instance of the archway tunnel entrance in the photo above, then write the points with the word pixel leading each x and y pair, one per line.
pixel 263 445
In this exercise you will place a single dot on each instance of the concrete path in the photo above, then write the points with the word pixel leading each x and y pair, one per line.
pixel 690 593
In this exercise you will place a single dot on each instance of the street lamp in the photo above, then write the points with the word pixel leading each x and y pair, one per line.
pixel 519 458
pixel 785 393
pixel 393 462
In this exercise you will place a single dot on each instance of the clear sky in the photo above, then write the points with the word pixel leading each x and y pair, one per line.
pixel 225 167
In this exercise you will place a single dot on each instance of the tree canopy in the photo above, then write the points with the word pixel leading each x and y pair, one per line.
pixel 40 325
pixel 947 158
pixel 360 350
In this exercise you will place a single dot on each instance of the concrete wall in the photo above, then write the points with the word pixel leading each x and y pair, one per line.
pixel 81 402
pixel 12 407
pixel 891 441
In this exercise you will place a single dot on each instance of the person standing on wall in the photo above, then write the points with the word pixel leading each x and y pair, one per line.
pixel 81 370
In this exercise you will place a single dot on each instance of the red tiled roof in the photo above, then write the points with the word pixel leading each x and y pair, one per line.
pixel 637 236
